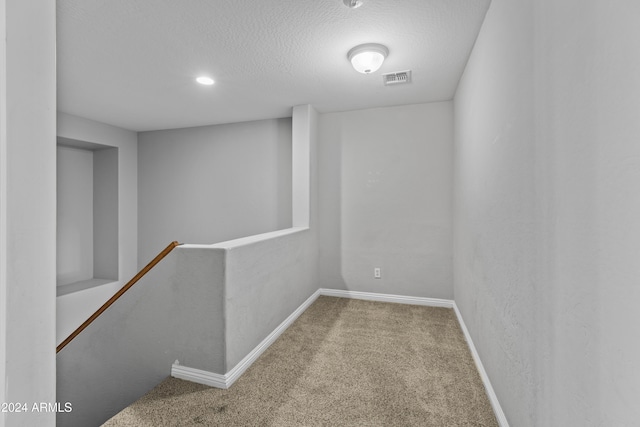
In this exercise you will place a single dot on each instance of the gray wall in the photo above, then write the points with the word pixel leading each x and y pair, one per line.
pixel 547 196
pixel 213 183
pixel 385 188
pixel 75 308
pixel 27 207
pixel 174 312
pixel 87 213
pixel 205 305
pixel 74 245
pixel 105 214
pixel 265 282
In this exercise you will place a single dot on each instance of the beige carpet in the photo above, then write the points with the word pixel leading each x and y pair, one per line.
pixel 342 363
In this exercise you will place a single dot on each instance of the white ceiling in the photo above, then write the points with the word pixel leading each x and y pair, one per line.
pixel 132 63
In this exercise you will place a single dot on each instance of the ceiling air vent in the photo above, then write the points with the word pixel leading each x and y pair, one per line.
pixel 399 77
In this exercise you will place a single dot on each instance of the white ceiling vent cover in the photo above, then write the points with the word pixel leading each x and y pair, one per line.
pixel 399 77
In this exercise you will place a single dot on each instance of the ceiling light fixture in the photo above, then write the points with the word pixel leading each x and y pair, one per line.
pixel 204 80
pixel 352 4
pixel 367 58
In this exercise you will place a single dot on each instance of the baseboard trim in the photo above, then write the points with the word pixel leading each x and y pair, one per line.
pixel 491 394
pixel 398 299
pixel 199 376
pixel 225 381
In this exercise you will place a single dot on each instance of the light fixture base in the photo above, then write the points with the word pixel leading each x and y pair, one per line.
pixel 352 4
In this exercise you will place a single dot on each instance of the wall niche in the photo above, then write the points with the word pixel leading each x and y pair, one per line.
pixel 87 215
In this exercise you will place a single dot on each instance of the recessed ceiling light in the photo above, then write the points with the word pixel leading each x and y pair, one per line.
pixel 204 80
pixel 352 3
pixel 367 58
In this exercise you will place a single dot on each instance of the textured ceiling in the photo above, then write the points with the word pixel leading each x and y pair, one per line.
pixel 132 64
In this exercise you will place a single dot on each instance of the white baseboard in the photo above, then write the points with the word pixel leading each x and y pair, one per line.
pixel 493 399
pixel 225 381
pixel 199 376
pixel 399 299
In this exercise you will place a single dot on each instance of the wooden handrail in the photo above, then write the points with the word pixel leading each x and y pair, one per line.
pixel 118 294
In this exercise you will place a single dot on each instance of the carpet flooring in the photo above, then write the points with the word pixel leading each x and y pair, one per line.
pixel 343 362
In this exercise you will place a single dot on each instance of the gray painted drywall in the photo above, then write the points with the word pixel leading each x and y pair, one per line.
pixel 205 306
pixel 267 280
pixel 213 183
pixel 87 214
pixel 385 185
pixel 547 196
pixel 105 213
pixel 74 246
pixel 74 308
pixel 27 208
pixel 174 312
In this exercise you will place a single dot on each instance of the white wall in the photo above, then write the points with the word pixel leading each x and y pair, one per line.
pixel 385 178
pixel 547 196
pixel 27 208
pixel 213 183
pixel 495 197
pixel 75 308
pixel 74 246
pixel 588 104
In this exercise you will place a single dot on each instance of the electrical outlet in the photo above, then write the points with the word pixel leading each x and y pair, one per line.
pixel 377 273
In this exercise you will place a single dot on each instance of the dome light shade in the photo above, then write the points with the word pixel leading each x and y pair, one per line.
pixel 367 58
pixel 204 80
